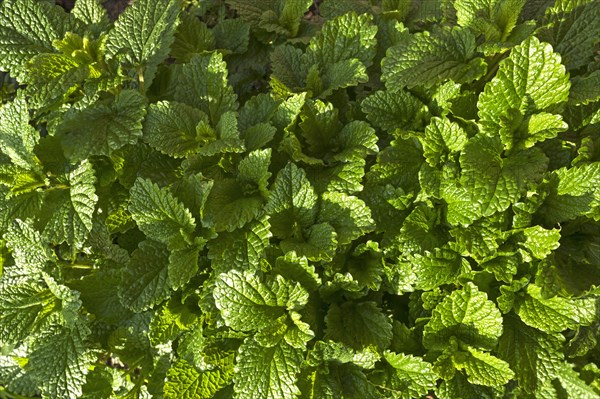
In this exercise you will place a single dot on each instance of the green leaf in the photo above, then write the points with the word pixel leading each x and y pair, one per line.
pixel 103 128
pixel 493 182
pixel 427 59
pixel 232 35
pixel 202 83
pixel 292 203
pixel 191 38
pixel 442 266
pixel 492 18
pixel 17 137
pixel 392 110
pixel 230 206
pixel 578 180
pixel 243 248
pixel 533 355
pixel 145 282
pixel 60 360
pixel 160 215
pixel 71 219
pixel 586 89
pixel 184 381
pixel 466 314
pixel 253 171
pixel 29 251
pixel 28 28
pixel 574 385
pixel 441 138
pixel 347 37
pixel 572 27
pixel 539 242
pixel 268 373
pixel 246 303
pixel 173 128
pixel 358 325
pixel 530 80
pixel 144 33
pixel 26 308
pixel 483 368
pixel 349 215
pixel 183 263
pixel 554 314
pixel 91 12
pixel 408 377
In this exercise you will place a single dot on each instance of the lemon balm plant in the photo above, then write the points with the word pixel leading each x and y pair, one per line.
pixel 227 199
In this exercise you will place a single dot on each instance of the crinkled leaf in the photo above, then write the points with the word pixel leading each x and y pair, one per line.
pixel 202 83
pixel 483 368
pixel 554 314
pixel 28 28
pixel 344 38
pixel 292 203
pixel 392 110
pixel 28 248
pixel 171 128
pixel 268 373
pixel 145 282
pixel 144 32
pixel 349 216
pixel 358 325
pixel 466 314
pixel 494 183
pixel 533 355
pixel 430 58
pixel 408 377
pixel 160 215
pixel 17 137
pixel 71 219
pixel 531 79
pixel 60 360
pixel 102 129
pixel 184 381
pixel 247 304
pixel 573 28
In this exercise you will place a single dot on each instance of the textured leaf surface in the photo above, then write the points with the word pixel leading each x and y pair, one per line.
pixel 27 246
pixel 145 31
pixel 292 202
pixel 344 38
pixel 483 368
pixel 494 182
pixel 531 79
pixel 555 314
pixel 27 28
pixel 171 128
pixel 268 373
pixel 202 83
pixel 184 381
pixel 146 281
pixel 104 128
pixel 248 304
pixel 71 220
pixel 159 214
pixel 534 356
pixel 573 28
pixel 466 314
pixel 359 325
pixel 428 59
pixel 59 362
pixel 17 137
pixel 410 376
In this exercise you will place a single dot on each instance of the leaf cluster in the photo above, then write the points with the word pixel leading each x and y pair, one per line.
pixel 227 199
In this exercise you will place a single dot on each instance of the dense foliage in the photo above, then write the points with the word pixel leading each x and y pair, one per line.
pixel 217 199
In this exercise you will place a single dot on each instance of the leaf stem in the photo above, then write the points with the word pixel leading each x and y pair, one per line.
pixel 140 71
